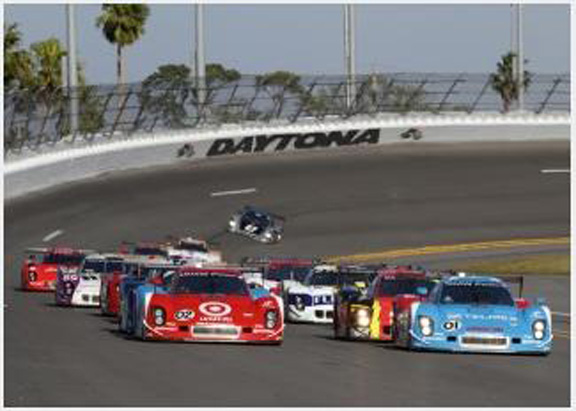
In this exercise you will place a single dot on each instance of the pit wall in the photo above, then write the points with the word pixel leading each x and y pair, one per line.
pixel 33 171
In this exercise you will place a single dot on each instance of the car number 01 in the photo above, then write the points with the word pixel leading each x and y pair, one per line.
pixel 184 315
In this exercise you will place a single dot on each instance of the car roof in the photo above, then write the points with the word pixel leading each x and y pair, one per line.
pixel 58 250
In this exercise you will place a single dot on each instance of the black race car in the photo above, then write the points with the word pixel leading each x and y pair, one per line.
pixel 257 224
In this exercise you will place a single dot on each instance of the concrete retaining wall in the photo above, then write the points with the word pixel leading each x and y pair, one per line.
pixel 34 171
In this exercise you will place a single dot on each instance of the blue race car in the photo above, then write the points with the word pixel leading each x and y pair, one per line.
pixel 476 314
pixel 151 278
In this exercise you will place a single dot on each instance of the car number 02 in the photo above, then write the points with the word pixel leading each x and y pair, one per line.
pixel 184 315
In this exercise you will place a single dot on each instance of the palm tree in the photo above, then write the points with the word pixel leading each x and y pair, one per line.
pixel 18 66
pixel 48 56
pixel 122 25
pixel 504 82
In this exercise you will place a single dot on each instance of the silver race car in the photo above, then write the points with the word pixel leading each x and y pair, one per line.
pixel 257 224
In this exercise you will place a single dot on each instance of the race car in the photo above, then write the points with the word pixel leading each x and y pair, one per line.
pixel 280 273
pixel 189 250
pixel 135 288
pixel 39 270
pixel 110 282
pixel 80 286
pixel 150 249
pixel 313 300
pixel 257 224
pixel 209 304
pixel 372 315
pixel 476 314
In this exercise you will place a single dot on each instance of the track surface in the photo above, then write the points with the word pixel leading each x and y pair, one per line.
pixel 338 203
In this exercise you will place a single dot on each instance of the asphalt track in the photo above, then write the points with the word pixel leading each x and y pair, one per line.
pixel 340 203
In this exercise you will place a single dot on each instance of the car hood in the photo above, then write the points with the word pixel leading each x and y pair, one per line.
pixel 474 316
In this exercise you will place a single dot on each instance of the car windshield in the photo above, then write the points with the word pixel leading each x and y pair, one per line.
pixel 403 286
pixel 190 246
pixel 323 278
pixel 287 272
pixel 149 251
pixel 113 266
pixel 93 265
pixel 64 259
pixel 332 278
pixel 476 294
pixel 200 283
pixel 259 218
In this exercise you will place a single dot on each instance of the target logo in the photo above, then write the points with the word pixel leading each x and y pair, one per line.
pixel 215 309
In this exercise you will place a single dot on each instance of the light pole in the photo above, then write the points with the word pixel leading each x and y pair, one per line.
pixel 520 57
pixel 518 49
pixel 349 53
pixel 72 67
pixel 199 64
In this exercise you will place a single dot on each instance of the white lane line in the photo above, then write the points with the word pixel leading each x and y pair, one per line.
pixel 52 235
pixel 560 314
pixel 555 170
pixel 233 192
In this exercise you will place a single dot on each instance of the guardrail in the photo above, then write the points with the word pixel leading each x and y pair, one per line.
pixel 35 120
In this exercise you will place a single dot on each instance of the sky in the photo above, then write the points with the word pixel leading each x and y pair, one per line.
pixel 309 39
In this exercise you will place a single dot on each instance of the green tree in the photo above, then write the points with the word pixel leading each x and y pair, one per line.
pixel 18 66
pixel 280 85
pixel 165 92
pixel 48 55
pixel 122 25
pixel 504 82
pixel 218 74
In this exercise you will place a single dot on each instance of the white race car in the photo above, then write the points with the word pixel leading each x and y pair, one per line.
pixel 80 286
pixel 191 251
pixel 313 300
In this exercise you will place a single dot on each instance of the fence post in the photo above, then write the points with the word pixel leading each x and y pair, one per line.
pixel 301 106
pixel 120 112
pixel 448 93
pixel 549 95
pixel 477 100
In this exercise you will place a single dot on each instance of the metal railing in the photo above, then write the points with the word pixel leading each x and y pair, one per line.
pixel 40 117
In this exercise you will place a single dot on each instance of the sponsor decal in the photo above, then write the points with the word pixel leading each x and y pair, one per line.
pixel 215 309
pixel 298 141
pixel 184 315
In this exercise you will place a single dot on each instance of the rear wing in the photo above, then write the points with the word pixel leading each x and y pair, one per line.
pixel 58 250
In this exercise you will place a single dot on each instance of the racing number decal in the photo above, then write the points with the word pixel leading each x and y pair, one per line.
pixel 215 309
pixel 184 315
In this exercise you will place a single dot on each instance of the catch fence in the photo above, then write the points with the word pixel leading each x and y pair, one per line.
pixel 35 118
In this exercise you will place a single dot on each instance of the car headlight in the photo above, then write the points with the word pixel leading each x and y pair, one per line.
pixel 159 316
pixel 538 328
pixel 32 275
pixel 450 325
pixel 426 325
pixel 299 303
pixel 271 319
pixel 232 223
pixel 363 317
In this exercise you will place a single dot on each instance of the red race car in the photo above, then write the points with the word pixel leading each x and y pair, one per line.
pixel 371 315
pixel 211 304
pixel 39 270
